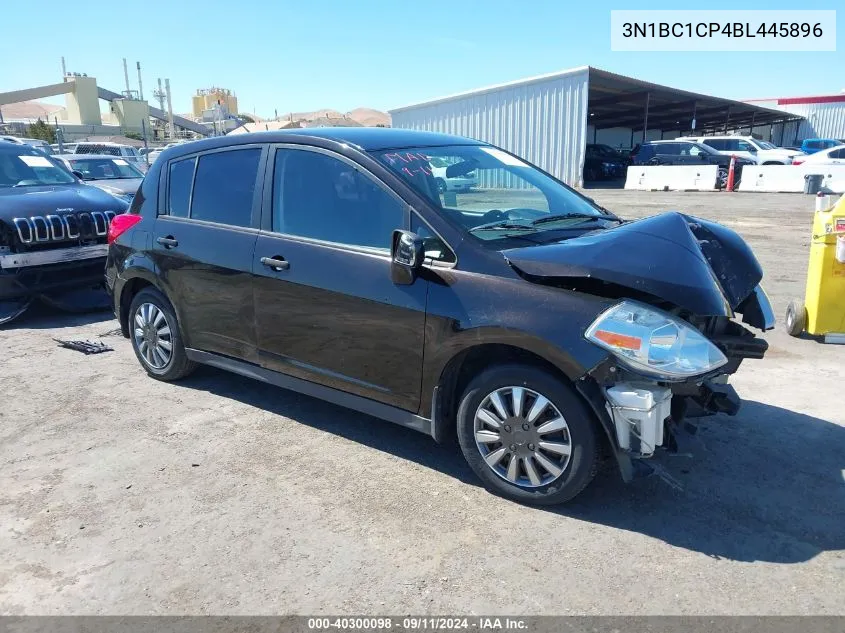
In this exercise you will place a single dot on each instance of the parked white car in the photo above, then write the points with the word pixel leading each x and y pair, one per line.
pixel 126 152
pixel 831 156
pixel 760 152
pixel 445 183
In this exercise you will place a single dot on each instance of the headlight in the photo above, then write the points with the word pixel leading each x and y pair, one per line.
pixel 653 342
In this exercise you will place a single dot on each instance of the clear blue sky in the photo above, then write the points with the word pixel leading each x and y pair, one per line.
pixel 298 56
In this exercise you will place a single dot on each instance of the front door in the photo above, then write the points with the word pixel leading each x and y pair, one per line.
pixel 326 308
pixel 204 243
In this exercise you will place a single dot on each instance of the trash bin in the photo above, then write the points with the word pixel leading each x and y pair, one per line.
pixel 813 183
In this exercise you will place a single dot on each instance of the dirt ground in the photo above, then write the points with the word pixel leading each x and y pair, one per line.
pixel 219 495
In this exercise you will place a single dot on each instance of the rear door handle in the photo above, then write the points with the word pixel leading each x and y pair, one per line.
pixel 276 263
pixel 168 242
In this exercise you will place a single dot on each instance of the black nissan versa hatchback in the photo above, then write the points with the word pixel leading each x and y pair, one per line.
pixel 539 327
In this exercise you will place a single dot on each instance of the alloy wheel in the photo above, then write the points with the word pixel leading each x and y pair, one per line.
pixel 522 436
pixel 152 335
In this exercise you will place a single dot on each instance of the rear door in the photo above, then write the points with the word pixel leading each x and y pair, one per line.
pixel 326 307
pixel 204 243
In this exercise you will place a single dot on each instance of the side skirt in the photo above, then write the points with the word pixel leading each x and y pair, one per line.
pixel 335 396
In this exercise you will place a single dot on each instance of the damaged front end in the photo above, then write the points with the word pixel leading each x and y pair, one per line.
pixel 673 338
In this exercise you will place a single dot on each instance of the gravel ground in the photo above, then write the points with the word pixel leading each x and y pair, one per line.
pixel 219 495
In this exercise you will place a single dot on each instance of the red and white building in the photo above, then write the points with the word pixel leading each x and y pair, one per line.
pixel 824 117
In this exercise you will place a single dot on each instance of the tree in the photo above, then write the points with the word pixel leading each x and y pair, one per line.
pixel 135 136
pixel 41 131
pixel 246 119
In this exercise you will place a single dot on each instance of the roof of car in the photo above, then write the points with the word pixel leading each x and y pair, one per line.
pixel 86 156
pixel 365 138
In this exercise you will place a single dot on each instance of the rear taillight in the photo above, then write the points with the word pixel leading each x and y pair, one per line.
pixel 797 161
pixel 120 224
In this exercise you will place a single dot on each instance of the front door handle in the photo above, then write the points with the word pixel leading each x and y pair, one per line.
pixel 168 242
pixel 277 263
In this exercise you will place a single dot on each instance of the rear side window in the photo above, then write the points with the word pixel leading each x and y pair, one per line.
pixel 813 144
pixel 645 152
pixel 224 186
pixel 668 149
pixel 717 143
pixel 838 153
pixel 179 187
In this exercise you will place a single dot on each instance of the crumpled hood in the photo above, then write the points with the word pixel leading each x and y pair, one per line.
pixel 22 202
pixel 699 266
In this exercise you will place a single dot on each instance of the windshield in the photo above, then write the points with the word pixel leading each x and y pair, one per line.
pixel 765 145
pixel 488 192
pixel 22 166
pixel 104 168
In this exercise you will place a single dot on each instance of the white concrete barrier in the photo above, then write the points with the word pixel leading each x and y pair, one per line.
pixel 672 177
pixel 790 178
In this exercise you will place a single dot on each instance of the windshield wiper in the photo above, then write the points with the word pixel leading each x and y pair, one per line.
pixel 504 225
pixel 566 216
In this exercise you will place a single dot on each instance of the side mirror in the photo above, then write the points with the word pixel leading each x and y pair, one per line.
pixel 407 256
pixel 78 174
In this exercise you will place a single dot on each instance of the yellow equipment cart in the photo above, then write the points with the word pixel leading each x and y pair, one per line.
pixel 822 313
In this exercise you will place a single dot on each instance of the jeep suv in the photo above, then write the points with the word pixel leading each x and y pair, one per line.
pixel 537 327
pixel 52 233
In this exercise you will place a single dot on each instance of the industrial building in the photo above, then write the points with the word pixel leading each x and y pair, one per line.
pixel 821 117
pixel 207 100
pixel 550 119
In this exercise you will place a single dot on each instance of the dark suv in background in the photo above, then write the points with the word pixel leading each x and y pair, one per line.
pixel 540 328
pixel 687 153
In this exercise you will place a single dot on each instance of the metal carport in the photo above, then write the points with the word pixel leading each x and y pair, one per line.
pixel 550 119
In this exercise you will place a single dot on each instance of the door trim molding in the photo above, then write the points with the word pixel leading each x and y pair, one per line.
pixel 335 396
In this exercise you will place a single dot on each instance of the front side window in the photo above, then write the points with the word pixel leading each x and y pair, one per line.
pixel 321 197
pixel 488 192
pixel 224 186
pixel 744 146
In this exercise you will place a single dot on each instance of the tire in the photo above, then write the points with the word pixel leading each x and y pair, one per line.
pixel 796 317
pixel 521 437
pixel 11 309
pixel 441 185
pixel 722 178
pixel 144 311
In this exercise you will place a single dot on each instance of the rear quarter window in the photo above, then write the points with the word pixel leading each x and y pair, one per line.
pixel 179 182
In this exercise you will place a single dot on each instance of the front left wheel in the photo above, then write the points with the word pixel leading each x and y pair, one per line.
pixel 527 435
pixel 155 336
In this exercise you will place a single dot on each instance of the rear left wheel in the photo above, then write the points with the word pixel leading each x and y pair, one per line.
pixel 155 336
pixel 527 435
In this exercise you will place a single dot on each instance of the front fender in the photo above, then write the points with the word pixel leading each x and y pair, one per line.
pixel 548 322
